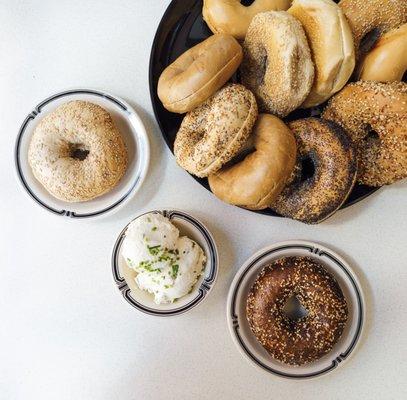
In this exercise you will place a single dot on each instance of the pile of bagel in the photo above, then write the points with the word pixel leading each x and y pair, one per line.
pixel 293 54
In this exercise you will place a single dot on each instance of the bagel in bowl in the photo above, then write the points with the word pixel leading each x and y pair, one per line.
pixel 198 73
pixel 233 18
pixel 213 133
pixel 259 178
pixel 77 153
pixel 331 43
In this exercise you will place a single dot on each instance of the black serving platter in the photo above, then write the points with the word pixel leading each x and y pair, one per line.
pixel 181 28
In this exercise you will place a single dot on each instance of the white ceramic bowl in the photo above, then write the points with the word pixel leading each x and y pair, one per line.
pixel 142 300
pixel 135 138
pixel 247 342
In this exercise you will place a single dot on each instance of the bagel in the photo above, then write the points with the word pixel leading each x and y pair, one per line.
pixel 373 17
pixel 233 18
pixel 199 73
pixel 367 106
pixel 324 175
pixel 213 133
pixel 259 178
pixel 277 65
pixel 76 152
pixel 292 340
pixel 387 60
pixel 331 43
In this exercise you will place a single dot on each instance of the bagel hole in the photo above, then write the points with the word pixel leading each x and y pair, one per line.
pixel 247 3
pixel 404 78
pixel 294 310
pixel 307 168
pixel 369 40
pixel 78 152
pixel 372 135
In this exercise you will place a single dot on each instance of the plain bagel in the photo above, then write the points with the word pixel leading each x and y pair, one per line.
pixel 387 60
pixel 213 133
pixel 331 42
pixel 233 18
pixel 259 178
pixel 199 72
pixel 277 65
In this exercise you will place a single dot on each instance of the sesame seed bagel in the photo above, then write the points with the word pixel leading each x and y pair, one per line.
pixel 366 106
pixel 324 175
pixel 259 178
pixel 213 133
pixel 387 60
pixel 373 16
pixel 331 42
pixel 277 63
pixel 198 73
pixel 77 153
pixel 233 18
pixel 296 341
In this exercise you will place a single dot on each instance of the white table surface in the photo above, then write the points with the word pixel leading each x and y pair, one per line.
pixel 65 331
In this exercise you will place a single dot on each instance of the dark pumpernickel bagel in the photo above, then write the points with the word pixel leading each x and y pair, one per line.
pixel 324 175
pixel 303 340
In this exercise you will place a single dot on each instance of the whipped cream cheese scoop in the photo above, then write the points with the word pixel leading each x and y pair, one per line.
pixel 167 264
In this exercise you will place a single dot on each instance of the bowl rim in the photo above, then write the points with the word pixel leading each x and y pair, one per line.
pixel 315 249
pixel 142 141
pixel 202 291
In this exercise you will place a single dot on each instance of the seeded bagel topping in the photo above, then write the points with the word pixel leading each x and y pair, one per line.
pixel 325 172
pixel 277 63
pixel 373 17
pixel 293 340
pixel 374 115
pixel 213 133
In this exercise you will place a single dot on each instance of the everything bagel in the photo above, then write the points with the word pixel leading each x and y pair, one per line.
pixel 374 115
pixel 198 73
pixel 326 150
pixel 290 340
pixel 213 133
pixel 259 178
